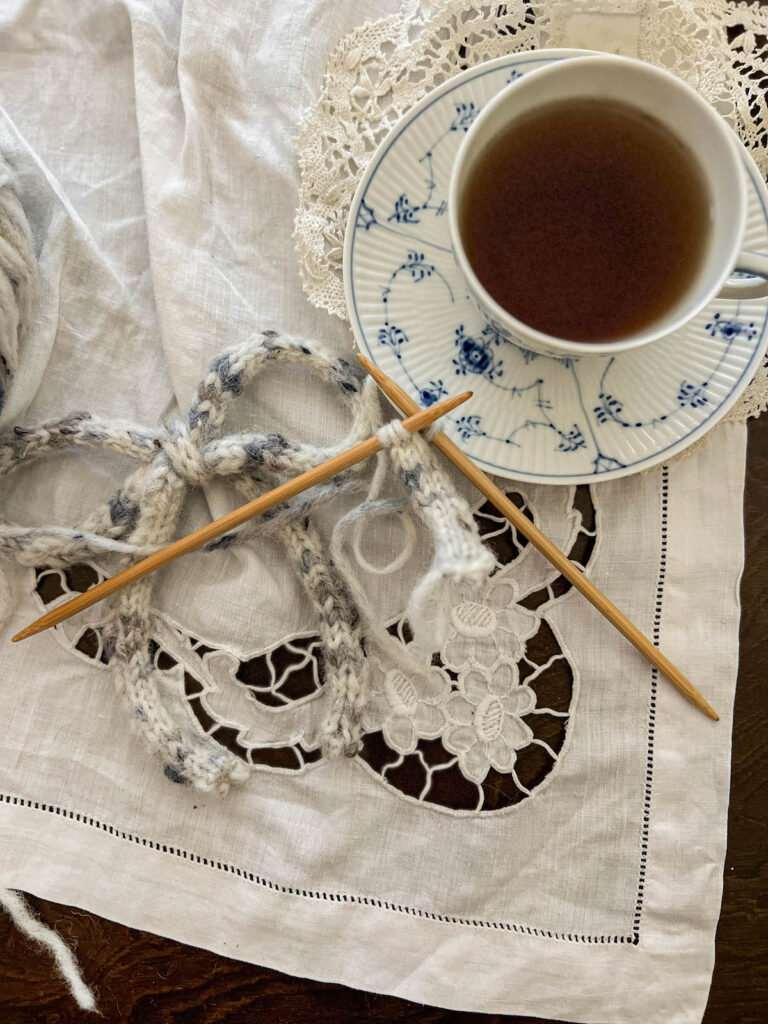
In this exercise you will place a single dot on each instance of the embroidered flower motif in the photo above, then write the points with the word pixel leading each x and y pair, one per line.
pixel 485 628
pixel 485 727
pixel 406 708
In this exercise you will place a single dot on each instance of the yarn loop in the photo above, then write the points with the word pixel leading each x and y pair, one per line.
pixel 143 515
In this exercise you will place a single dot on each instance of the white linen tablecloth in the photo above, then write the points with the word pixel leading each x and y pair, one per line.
pixel 151 146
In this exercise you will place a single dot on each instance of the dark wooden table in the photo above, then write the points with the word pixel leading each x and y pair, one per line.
pixel 142 979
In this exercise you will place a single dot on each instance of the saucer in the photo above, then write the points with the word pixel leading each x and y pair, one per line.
pixel 532 417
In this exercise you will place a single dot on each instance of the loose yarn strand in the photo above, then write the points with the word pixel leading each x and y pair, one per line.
pixel 21 914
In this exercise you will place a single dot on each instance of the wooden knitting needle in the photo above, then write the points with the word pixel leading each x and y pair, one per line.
pixel 421 418
pixel 401 400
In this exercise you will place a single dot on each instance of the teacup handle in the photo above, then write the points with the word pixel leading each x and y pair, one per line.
pixel 750 263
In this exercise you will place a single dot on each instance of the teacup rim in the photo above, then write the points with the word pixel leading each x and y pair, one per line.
pixel 667 326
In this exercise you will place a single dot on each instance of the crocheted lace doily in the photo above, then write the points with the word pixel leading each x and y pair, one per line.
pixel 382 68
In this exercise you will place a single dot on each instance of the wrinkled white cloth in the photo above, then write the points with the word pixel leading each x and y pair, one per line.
pixel 151 147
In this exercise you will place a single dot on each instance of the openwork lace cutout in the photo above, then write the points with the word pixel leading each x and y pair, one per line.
pixel 381 69
pixel 488 727
pixel 481 733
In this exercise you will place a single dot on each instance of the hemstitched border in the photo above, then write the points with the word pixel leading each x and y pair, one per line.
pixel 369 901
pixel 652 707
pixel 313 894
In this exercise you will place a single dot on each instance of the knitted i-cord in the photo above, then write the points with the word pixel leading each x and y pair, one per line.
pixel 457 553
pixel 144 513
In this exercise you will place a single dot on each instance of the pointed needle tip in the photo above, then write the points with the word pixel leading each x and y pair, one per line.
pixel 23 635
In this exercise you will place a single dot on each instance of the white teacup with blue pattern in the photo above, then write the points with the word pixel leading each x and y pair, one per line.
pixel 682 111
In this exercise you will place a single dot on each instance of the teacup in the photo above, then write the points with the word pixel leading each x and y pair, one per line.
pixel 668 100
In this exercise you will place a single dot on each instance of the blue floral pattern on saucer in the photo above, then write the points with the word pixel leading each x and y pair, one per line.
pixel 532 417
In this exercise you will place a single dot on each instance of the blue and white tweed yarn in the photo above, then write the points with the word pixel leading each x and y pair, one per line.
pixel 143 516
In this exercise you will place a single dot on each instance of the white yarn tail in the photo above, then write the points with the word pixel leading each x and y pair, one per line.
pixel 20 913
